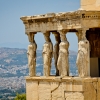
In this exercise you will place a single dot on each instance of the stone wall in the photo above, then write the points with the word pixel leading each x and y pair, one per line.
pixel 67 88
pixel 90 4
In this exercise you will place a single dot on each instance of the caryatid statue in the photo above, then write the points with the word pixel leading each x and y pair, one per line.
pixel 56 50
pixel 63 60
pixel 31 53
pixel 47 54
pixel 82 61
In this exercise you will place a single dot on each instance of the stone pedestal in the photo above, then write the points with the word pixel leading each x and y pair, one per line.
pixel 66 88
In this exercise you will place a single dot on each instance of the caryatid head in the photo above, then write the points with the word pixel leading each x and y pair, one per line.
pixel 57 36
pixel 63 37
pixel 47 36
pixel 31 37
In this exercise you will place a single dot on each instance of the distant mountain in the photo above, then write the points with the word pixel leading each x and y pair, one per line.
pixel 18 57
pixel 14 45
pixel 7 52
pixel 14 66
pixel 19 45
pixel 72 52
pixel 12 56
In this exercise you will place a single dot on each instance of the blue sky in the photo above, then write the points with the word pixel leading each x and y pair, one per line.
pixel 12 32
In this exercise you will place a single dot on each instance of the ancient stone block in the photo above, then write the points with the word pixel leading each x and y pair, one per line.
pixel 32 90
pixel 68 86
pixel 77 86
pixel 89 91
pixel 44 91
pixel 98 90
pixel 90 4
pixel 95 85
pixel 74 96
pixel 56 90
pixel 62 89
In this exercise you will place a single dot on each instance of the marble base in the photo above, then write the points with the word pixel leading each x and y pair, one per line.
pixel 66 88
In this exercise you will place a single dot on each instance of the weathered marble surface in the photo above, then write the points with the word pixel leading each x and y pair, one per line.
pixel 75 21
pixel 56 51
pixel 47 54
pixel 90 5
pixel 56 54
pixel 31 53
pixel 67 88
pixel 82 58
pixel 63 61
pixel 63 88
pixel 71 21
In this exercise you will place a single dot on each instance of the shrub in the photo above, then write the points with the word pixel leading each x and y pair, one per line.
pixel 20 97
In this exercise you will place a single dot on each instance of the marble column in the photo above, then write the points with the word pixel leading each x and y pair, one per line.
pixel 63 60
pixel 56 50
pixel 47 54
pixel 31 54
pixel 83 57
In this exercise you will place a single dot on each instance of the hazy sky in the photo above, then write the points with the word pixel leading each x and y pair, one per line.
pixel 12 32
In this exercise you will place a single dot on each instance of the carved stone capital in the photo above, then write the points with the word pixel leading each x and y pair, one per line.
pixel 47 33
pixel 57 36
pixel 31 36
pixel 81 34
pixel 47 36
pixel 62 31
pixel 44 31
pixel 62 35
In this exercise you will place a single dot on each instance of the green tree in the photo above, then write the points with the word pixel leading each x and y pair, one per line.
pixel 20 97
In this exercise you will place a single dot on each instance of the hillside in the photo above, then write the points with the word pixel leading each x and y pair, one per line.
pixel 15 56
pixel 12 56
pixel 13 62
pixel 14 67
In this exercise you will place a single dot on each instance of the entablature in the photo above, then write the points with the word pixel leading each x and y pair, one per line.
pixel 59 21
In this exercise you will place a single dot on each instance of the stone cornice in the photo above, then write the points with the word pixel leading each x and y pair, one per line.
pixel 59 21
